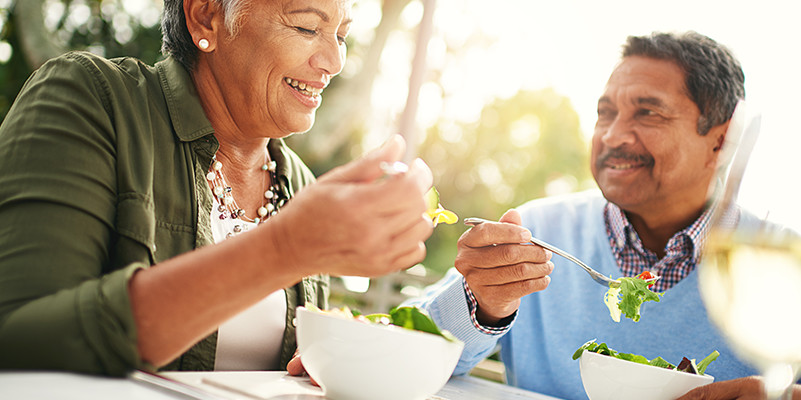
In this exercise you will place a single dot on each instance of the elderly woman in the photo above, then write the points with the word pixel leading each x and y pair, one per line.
pixel 152 217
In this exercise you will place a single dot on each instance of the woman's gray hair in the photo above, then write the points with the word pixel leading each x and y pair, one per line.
pixel 176 40
pixel 713 77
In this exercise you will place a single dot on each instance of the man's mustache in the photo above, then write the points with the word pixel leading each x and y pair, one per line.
pixel 623 154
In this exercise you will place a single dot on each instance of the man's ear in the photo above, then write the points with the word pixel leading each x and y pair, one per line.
pixel 719 132
pixel 203 21
pixel 719 145
pixel 717 137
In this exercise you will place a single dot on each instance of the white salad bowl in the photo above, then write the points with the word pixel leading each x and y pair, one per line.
pixel 354 360
pixel 610 378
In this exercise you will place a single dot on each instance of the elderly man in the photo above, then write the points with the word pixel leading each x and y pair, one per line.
pixel 661 122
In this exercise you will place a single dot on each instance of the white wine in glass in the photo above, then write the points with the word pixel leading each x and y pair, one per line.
pixel 751 287
pixel 750 271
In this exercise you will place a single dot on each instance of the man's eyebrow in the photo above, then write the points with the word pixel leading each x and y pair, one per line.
pixel 651 101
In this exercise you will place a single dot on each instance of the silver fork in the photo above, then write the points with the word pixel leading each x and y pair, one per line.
pixel 595 275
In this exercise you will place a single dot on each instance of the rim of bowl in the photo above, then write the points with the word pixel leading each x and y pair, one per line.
pixel 391 328
pixel 683 374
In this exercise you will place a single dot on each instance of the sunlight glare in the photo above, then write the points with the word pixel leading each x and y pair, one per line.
pixel 526 131
pixel 6 51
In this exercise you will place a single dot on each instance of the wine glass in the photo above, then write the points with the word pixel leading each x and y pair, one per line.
pixel 750 271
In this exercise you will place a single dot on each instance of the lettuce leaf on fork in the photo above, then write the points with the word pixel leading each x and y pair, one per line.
pixel 434 209
pixel 436 212
pixel 628 298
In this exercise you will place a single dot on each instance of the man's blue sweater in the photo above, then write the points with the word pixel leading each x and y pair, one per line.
pixel 552 324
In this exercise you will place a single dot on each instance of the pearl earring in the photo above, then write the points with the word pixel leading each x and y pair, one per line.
pixel 203 44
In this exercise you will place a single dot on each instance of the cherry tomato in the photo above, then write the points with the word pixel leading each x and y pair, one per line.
pixel 645 275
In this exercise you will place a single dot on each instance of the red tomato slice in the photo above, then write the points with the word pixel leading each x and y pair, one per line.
pixel 645 275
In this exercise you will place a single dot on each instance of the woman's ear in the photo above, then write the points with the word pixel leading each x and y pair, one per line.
pixel 203 21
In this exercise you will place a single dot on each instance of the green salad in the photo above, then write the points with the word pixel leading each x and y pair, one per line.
pixel 686 365
pixel 414 318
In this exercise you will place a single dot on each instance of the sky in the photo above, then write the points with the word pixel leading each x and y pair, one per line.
pixel 573 45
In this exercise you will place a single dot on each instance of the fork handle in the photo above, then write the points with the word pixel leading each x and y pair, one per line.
pixel 562 253
pixel 473 221
pixel 598 277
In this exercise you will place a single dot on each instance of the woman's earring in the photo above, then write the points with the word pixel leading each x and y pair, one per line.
pixel 203 44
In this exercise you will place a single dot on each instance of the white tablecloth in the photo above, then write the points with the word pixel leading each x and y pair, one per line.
pixel 215 386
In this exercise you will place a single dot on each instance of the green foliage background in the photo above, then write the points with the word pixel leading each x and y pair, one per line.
pixel 523 147
pixel 485 169
pixel 104 27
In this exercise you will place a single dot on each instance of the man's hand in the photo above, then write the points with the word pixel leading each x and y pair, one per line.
pixel 500 266
pixel 749 388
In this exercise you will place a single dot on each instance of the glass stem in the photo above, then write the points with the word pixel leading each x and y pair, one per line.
pixel 778 380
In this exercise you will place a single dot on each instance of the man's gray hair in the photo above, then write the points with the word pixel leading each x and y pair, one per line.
pixel 176 40
pixel 713 77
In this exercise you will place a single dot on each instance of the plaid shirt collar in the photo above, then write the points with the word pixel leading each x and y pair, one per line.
pixel 681 253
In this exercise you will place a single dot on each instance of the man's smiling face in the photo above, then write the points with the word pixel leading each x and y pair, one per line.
pixel 646 150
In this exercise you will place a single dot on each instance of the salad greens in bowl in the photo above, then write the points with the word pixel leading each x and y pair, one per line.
pixel 610 375
pixel 401 355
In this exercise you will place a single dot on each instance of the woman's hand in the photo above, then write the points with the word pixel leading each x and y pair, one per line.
pixel 295 368
pixel 749 388
pixel 356 221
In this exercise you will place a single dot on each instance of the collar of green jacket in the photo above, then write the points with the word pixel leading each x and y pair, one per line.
pixel 187 117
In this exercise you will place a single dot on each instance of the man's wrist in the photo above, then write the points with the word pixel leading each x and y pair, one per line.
pixel 502 325
pixel 487 320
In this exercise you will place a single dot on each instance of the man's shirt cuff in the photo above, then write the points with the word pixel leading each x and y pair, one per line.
pixel 472 304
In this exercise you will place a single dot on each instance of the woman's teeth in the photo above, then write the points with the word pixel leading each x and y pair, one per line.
pixel 301 87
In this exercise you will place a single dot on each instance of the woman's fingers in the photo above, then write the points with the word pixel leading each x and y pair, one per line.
pixel 295 366
pixel 368 167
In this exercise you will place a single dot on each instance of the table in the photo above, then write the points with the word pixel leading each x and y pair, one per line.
pixel 240 385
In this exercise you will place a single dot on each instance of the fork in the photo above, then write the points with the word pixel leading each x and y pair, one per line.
pixel 595 275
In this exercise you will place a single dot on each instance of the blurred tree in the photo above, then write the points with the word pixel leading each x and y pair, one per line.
pixel 522 148
pixel 37 30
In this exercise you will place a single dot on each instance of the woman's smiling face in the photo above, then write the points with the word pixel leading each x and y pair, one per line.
pixel 271 72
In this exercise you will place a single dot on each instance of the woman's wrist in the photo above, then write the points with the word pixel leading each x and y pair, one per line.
pixel 276 240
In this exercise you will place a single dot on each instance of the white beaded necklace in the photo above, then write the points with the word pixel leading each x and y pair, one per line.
pixel 226 204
